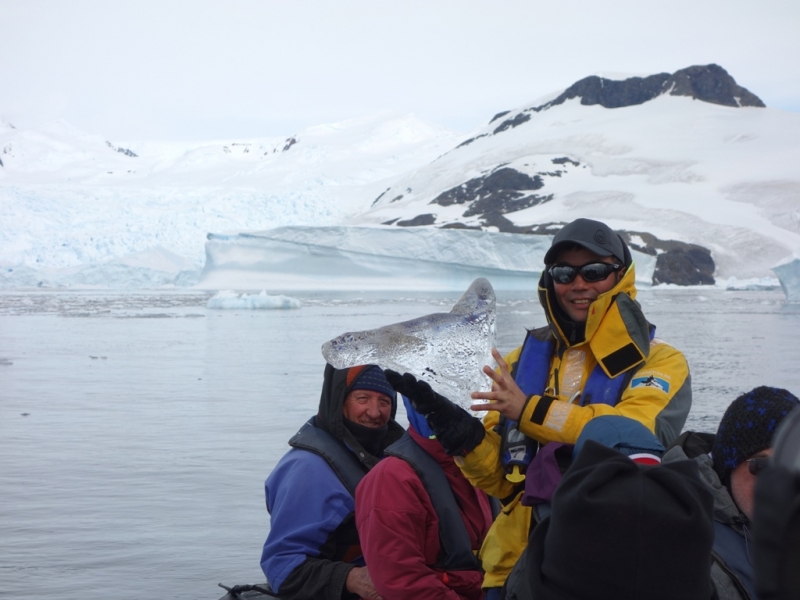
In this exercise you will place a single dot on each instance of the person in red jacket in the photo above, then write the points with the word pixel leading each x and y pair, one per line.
pixel 420 521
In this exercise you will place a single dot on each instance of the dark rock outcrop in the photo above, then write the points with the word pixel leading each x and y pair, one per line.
pixel 124 151
pixel 711 83
pixel 504 190
pixel 419 221
pixel 679 263
pixel 692 265
pixel 707 83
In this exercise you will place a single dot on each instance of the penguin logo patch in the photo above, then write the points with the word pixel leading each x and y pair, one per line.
pixel 651 381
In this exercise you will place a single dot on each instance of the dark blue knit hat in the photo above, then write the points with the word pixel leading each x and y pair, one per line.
pixel 369 377
pixel 748 426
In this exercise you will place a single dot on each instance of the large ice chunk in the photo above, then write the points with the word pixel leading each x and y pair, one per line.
pixel 788 272
pixel 448 350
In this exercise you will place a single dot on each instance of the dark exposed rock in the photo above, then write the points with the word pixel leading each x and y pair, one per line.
pixel 124 151
pixel 685 266
pixel 677 262
pixel 459 225
pixel 505 202
pixel 419 221
pixel 500 181
pixel 707 83
pixel 472 139
pixel 390 221
pixel 374 202
pixel 611 93
pixel 503 191
pixel 711 83
pixel 514 121
pixel 499 115
pixel 1 162
pixel 289 143
pixel 564 160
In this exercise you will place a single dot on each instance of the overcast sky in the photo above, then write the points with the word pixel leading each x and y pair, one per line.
pixel 201 69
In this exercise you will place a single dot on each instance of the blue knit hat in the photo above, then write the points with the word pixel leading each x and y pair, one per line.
pixel 369 377
pixel 748 426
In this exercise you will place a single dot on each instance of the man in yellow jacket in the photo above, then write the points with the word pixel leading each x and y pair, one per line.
pixel 597 356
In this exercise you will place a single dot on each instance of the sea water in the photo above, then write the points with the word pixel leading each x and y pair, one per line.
pixel 136 430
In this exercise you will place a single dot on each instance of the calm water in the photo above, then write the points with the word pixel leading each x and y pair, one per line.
pixel 136 430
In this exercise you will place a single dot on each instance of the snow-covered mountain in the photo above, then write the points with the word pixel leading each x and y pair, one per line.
pixel 695 171
pixel 690 158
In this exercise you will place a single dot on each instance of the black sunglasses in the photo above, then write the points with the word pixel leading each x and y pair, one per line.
pixel 758 464
pixel 596 271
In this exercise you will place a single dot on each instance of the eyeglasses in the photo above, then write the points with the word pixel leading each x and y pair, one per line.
pixel 591 272
pixel 758 464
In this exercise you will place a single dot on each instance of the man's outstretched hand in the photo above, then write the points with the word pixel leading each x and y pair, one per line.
pixel 506 396
pixel 455 428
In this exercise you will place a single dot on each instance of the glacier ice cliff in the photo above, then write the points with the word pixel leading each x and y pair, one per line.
pixel 788 272
pixel 371 258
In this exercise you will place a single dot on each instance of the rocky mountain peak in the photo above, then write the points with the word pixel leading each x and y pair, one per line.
pixel 707 83
pixel 711 83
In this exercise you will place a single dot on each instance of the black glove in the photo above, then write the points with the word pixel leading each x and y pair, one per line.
pixel 457 430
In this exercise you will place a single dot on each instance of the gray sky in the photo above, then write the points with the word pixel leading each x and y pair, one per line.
pixel 201 69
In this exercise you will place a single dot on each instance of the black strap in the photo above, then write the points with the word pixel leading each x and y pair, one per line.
pixel 343 462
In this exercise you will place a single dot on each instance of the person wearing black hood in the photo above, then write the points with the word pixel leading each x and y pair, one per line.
pixel 597 356
pixel 312 550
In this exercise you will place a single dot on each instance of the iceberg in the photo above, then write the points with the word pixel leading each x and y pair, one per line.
pixel 379 258
pixel 448 350
pixel 228 299
pixel 788 272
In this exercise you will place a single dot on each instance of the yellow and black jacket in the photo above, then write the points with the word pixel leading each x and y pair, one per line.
pixel 648 379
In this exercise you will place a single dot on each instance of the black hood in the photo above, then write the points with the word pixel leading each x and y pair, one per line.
pixel 330 418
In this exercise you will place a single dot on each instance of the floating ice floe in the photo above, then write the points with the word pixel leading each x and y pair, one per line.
pixel 228 299
pixel 448 350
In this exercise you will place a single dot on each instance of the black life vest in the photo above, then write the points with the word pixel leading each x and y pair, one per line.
pixel 456 548
pixel 344 463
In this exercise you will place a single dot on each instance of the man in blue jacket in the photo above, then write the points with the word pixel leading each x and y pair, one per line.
pixel 312 550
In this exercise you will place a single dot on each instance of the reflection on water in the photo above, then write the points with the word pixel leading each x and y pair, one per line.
pixel 137 429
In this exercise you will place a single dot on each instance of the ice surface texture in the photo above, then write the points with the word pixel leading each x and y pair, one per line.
pixel 448 350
